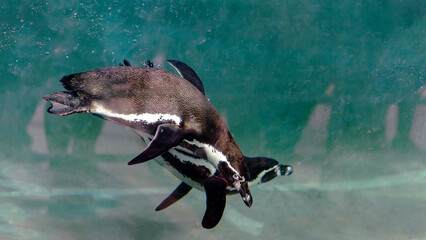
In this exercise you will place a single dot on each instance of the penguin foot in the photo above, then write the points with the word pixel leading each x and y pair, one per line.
pixel 65 103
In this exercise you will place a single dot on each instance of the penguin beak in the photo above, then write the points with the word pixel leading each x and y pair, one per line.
pixel 247 199
pixel 244 191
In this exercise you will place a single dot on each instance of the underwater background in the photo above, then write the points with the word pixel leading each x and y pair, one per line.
pixel 334 88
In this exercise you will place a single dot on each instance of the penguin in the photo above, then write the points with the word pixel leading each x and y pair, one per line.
pixel 181 127
pixel 261 169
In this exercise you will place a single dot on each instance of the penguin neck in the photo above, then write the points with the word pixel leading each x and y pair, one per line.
pixel 229 147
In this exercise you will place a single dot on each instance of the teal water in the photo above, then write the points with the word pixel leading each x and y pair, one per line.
pixel 334 88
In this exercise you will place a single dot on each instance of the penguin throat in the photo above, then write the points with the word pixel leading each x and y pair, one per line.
pixel 237 183
pixel 213 155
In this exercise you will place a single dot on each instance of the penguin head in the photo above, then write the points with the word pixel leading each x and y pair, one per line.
pixel 236 180
pixel 241 185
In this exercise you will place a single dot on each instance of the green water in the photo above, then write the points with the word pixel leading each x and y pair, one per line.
pixel 333 88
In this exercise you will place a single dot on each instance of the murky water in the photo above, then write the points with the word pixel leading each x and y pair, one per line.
pixel 334 88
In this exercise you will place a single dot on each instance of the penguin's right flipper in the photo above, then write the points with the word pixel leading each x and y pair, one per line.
pixel 186 72
pixel 126 63
pixel 166 137
pixel 177 194
pixel 216 200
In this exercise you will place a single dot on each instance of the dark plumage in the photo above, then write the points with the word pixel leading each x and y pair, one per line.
pixel 179 124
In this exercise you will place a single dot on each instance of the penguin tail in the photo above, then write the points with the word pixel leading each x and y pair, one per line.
pixel 65 103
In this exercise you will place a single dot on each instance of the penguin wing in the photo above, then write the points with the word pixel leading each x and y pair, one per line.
pixel 216 201
pixel 125 63
pixel 186 72
pixel 166 137
pixel 177 194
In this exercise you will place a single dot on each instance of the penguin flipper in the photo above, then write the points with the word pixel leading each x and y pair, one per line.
pixel 216 201
pixel 186 72
pixel 126 63
pixel 166 137
pixel 177 194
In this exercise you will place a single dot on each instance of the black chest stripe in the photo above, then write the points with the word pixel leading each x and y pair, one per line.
pixel 190 170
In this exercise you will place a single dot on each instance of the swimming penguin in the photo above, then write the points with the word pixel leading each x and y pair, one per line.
pixel 261 169
pixel 173 116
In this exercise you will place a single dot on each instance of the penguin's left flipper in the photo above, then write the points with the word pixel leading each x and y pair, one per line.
pixel 166 137
pixel 216 200
pixel 177 194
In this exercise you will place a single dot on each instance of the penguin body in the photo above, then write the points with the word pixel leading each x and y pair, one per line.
pixel 183 130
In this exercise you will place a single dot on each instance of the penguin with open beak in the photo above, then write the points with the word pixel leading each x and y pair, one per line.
pixel 182 129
